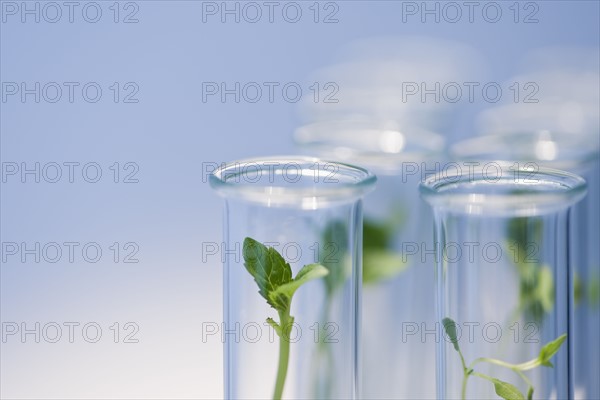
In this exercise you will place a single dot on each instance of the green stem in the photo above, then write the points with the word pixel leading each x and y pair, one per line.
pixel 522 375
pixel 462 360
pixel 463 392
pixel 486 377
pixel 284 353
pixel 516 367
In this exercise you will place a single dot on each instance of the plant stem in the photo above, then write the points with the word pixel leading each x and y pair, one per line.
pixel 466 374
pixel 520 367
pixel 516 368
pixel 522 375
pixel 463 392
pixel 284 353
pixel 486 377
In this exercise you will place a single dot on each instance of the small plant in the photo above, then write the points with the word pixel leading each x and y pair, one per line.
pixel 379 262
pixel 536 283
pixel 273 275
pixel 503 389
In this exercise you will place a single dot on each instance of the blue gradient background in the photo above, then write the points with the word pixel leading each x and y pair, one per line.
pixel 172 291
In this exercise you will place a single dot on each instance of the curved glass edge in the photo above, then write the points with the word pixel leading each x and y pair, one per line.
pixel 507 192
pixel 325 189
pixel 381 146
pixel 548 149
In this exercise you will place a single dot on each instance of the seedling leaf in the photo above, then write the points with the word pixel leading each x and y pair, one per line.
pixel 269 270
pixel 450 328
pixel 381 264
pixel 274 325
pixel 506 390
pixel 550 349
pixel 283 294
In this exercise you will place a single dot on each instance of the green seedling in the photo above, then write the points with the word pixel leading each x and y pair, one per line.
pixel 273 275
pixel 503 389
pixel 536 282
pixel 379 262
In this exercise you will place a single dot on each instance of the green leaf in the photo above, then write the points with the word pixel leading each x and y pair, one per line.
pixel 283 294
pixel 550 349
pixel 268 268
pixel 545 288
pixel 536 285
pixel 376 235
pixel 274 325
pixel 506 390
pixel 530 393
pixel 309 272
pixel 523 231
pixel 450 328
pixel 381 264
